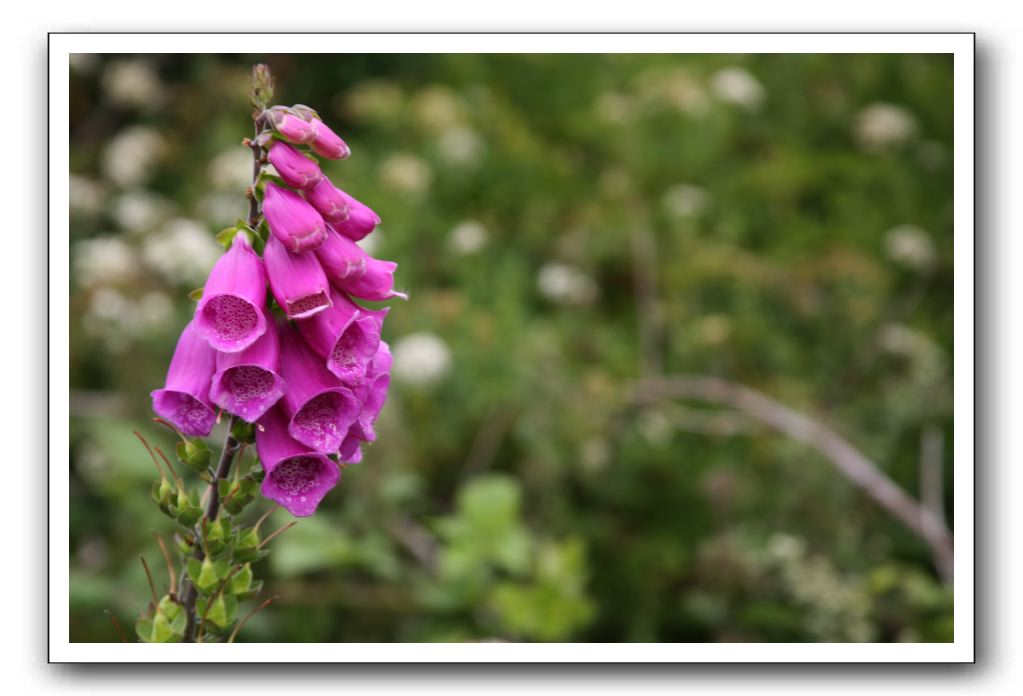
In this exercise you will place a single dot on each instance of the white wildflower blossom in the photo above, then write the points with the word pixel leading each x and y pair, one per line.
pixel 103 261
pixel 406 173
pixel 738 86
pixel 183 251
pixel 437 108
pixel 223 209
pixel 468 237
pixel 883 126
pixel 686 94
pixel 139 211
pixel 131 155
pixel 685 200
pixel 460 145
pixel 420 358
pixel 132 83
pixel 910 246
pixel 155 309
pixel 86 196
pixel 231 170
pixel 566 284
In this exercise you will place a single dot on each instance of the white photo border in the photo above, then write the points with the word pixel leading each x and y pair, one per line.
pixel 960 45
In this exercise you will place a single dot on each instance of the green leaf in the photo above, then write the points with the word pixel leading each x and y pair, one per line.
pixel 241 581
pixel 208 576
pixel 144 630
pixel 226 237
pixel 196 294
pixel 195 454
pixel 220 612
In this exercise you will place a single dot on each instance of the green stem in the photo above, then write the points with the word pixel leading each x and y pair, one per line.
pixel 189 594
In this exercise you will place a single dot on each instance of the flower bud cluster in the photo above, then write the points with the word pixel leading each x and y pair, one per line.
pixel 307 366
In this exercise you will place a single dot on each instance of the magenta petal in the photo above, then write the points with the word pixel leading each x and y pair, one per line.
pixel 248 383
pixel 292 220
pixel 377 283
pixel 296 169
pixel 321 409
pixel 297 281
pixel 351 450
pixel 360 221
pixel 341 258
pixel 229 314
pixel 372 393
pixel 327 143
pixel 346 336
pixel 296 478
pixel 292 127
pixel 184 400
pixel 328 201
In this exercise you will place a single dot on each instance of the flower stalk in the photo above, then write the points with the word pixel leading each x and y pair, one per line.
pixel 304 389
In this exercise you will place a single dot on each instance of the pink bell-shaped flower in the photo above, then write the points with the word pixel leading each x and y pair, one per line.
pixel 297 478
pixel 297 281
pixel 320 408
pixel 248 383
pixel 184 400
pixel 230 313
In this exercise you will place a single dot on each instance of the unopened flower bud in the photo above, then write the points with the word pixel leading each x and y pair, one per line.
pixel 360 221
pixel 329 201
pixel 327 143
pixel 291 126
pixel 296 169
pixel 293 221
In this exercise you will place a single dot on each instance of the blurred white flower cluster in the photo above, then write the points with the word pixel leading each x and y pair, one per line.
pixel 567 285
pixel 183 251
pixel 738 86
pixel 882 126
pixel 118 318
pixel 685 201
pixel 911 247
pixel 420 358
pixel 406 173
pixel 130 157
pixel 132 83
pixel 86 196
pixel 467 237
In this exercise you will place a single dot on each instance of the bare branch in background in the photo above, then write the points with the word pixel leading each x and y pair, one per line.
pixel 846 458
pixel 932 488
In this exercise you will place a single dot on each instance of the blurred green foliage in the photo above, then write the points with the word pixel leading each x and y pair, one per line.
pixel 564 224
